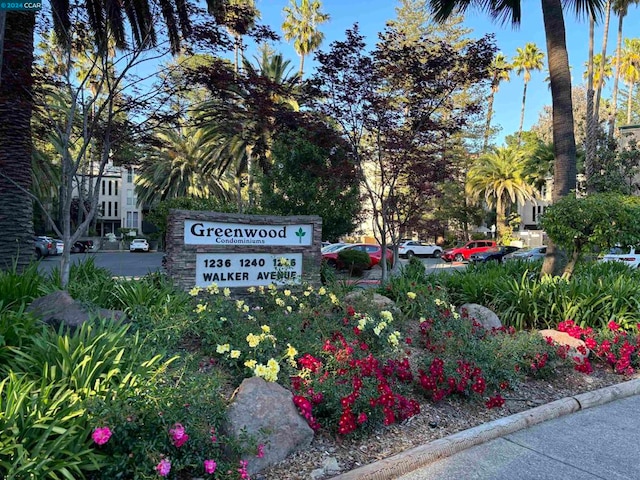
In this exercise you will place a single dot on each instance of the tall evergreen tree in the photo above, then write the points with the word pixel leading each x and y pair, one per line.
pixel 527 59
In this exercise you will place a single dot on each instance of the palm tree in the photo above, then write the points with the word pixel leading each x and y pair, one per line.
pixel 528 59
pixel 301 26
pixel 182 165
pixel 105 20
pixel 239 16
pixel 499 177
pixel 564 142
pixel 244 124
pixel 620 7
pixel 630 68
pixel 499 71
pixel 601 71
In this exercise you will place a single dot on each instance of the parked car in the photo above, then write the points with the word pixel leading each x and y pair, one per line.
pixel 43 247
pixel 419 249
pixel 493 254
pixel 463 251
pixel 59 246
pixel 332 247
pixel 630 256
pixel 139 245
pixel 374 251
pixel 530 254
pixel 82 246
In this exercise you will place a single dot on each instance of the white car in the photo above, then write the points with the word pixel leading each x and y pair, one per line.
pixel 59 246
pixel 139 244
pixel 419 249
pixel 630 256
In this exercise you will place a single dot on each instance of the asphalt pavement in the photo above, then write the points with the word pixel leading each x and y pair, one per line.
pixel 595 435
pixel 120 264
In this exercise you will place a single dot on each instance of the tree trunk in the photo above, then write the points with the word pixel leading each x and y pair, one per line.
pixel 605 35
pixel 524 99
pixel 16 105
pixel 616 79
pixel 487 128
pixel 590 139
pixel 629 103
pixel 564 143
pixel 301 66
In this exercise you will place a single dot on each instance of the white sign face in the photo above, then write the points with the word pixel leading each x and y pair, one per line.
pixel 248 269
pixel 219 233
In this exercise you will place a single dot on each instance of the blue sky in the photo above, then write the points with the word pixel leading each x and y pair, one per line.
pixel 372 15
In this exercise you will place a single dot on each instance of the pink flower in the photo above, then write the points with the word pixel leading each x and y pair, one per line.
pixel 164 467
pixel 178 435
pixel 260 453
pixel 244 475
pixel 210 466
pixel 101 435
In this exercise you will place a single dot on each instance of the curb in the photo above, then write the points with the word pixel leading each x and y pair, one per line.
pixel 417 457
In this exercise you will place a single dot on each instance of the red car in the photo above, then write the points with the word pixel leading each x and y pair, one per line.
pixel 374 251
pixel 462 252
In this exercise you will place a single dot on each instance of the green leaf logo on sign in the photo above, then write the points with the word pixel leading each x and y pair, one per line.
pixel 300 233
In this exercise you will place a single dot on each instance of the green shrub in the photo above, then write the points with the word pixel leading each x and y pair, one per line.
pixel 18 288
pixel 17 329
pixel 43 431
pixel 355 261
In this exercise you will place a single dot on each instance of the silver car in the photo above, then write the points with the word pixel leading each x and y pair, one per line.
pixel 529 254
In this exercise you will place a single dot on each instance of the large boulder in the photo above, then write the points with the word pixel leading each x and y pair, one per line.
pixel 265 412
pixel 577 347
pixel 60 309
pixel 482 315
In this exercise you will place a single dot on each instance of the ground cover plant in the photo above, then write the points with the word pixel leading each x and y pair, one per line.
pixel 147 399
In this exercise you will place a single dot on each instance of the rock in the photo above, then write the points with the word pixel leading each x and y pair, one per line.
pixel 563 338
pixel 482 315
pixel 379 301
pixel 330 468
pixel 58 308
pixel 264 411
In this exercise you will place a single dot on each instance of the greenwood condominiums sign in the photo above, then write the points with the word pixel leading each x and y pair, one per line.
pixel 219 233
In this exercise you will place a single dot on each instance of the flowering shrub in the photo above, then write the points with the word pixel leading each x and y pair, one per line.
pixel 613 346
pixel 349 388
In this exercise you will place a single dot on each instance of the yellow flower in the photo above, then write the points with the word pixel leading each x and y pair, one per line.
pixel 272 286
pixel 362 323
pixel 251 289
pixel 287 293
pixel 378 328
pixel 386 315
pixel 253 340
pixel 265 328
pixel 301 306
pixel 250 364
pixel 284 262
pixel 261 289
pixel 280 302
pixel 201 308
pixel 291 352
pixel 223 348
pixel 334 299
pixel 245 308
pixel 195 291
pixel 223 319
pixel 226 292
pixel 393 339
pixel 307 293
pixel 234 354
pixel 239 304
pixel 289 308
pixel 322 291
pixel 411 295
pixel 294 298
pixel 213 288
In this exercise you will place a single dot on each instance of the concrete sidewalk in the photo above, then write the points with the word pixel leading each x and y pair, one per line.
pixel 595 435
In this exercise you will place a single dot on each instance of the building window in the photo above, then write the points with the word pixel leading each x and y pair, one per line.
pixel 129 197
pixel 110 188
pixel 109 214
pixel 115 208
pixel 132 220
pixel 103 182
pixel 130 175
pixel 116 188
pixel 102 210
